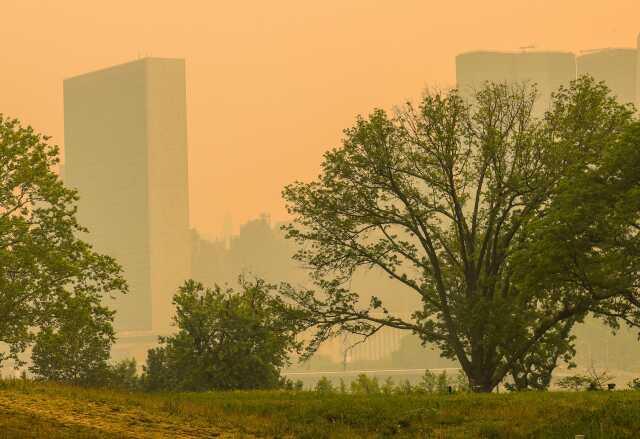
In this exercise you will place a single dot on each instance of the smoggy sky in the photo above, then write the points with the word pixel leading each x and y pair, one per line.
pixel 271 84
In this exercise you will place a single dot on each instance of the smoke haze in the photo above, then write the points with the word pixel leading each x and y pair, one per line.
pixel 270 85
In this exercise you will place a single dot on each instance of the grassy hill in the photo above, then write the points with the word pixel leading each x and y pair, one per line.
pixel 39 410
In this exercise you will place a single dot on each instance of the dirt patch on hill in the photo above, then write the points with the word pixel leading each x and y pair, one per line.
pixel 122 421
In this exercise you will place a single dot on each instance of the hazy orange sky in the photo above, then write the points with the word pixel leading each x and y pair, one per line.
pixel 271 84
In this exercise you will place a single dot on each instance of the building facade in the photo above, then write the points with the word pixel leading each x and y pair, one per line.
pixel 126 154
pixel 617 67
pixel 547 70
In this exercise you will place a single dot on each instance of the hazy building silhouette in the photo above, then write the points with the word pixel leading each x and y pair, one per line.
pixel 548 70
pixel 617 67
pixel 126 153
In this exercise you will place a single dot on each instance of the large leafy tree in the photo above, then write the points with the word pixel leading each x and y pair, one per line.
pixel 449 198
pixel 226 339
pixel 43 260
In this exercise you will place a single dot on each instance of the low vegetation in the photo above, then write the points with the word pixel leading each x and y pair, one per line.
pixel 34 409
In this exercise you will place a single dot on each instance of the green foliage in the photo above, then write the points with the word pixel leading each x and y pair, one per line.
pixel 388 387
pixel 461 382
pixel 226 340
pixel 43 263
pixel 342 387
pixel 428 382
pixel 481 209
pixel 75 350
pixel 363 385
pixel 324 386
pixel 574 382
pixel 440 383
pixel 123 374
pixel 593 380
pixel 533 370
pixel 634 384
pixel 404 388
pixel 296 385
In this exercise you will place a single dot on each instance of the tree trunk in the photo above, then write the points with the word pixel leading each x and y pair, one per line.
pixel 481 380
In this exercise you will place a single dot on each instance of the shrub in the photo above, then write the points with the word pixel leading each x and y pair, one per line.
pixel 226 339
pixel 363 385
pixel 124 375
pixel 574 382
pixel 324 386
pixel 288 384
pixel 388 387
pixel 432 383
pixel 404 388
pixel 75 348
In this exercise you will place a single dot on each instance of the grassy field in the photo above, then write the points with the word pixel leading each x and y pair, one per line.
pixel 37 410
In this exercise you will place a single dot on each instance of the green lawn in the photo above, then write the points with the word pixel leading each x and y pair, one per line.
pixel 53 411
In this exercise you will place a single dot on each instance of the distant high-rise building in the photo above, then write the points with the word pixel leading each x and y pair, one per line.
pixel 126 153
pixel 548 70
pixel 617 67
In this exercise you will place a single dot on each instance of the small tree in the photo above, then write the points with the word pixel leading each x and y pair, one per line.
pixel 363 385
pixel 226 340
pixel 592 380
pixel 428 382
pixel 462 382
pixel 324 386
pixel 574 382
pixel 388 387
pixel 123 374
pixel 404 388
pixel 75 349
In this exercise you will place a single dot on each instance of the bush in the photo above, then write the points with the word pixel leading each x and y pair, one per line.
pixel 574 382
pixel 324 386
pixel 363 385
pixel 124 375
pixel 404 388
pixel 461 382
pixel 593 380
pixel 288 384
pixel 75 348
pixel 440 383
pixel 226 340
pixel 388 387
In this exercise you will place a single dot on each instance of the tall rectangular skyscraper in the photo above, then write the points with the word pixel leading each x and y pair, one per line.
pixel 548 70
pixel 126 153
pixel 616 67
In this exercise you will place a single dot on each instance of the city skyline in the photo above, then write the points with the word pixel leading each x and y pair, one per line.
pixel 271 87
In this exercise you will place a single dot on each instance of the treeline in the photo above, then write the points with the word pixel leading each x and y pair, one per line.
pixel 508 227
pixel 225 340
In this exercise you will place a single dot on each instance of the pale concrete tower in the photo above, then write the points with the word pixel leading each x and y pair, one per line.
pixel 617 67
pixel 126 153
pixel 548 70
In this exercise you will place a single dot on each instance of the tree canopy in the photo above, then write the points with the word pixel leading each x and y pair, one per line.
pixel 43 259
pixel 77 348
pixel 226 339
pixel 464 203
